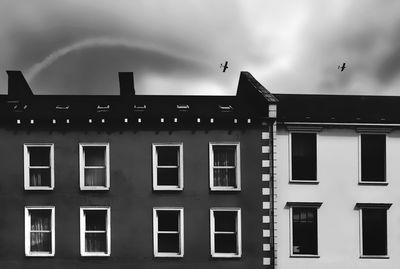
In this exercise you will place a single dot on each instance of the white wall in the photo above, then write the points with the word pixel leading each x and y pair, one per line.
pixel 339 191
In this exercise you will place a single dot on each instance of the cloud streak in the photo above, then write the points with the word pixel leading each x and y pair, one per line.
pixel 37 68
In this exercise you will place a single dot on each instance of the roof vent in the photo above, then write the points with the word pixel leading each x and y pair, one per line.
pixel 182 107
pixel 225 108
pixel 103 108
pixel 62 107
pixel 139 107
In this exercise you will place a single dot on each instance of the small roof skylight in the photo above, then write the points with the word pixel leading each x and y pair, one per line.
pixel 62 107
pixel 182 107
pixel 139 107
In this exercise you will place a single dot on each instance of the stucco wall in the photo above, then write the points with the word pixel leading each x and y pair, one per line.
pixel 130 197
pixel 339 191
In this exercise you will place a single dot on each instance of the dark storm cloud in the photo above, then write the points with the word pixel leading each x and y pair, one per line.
pixel 176 46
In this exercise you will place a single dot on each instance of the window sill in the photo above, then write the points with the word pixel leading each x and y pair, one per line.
pixel 311 182
pixel 168 255
pixel 304 256
pixel 374 257
pixel 95 254
pixel 39 188
pixel 224 189
pixel 94 188
pixel 167 188
pixel 226 255
pixel 37 254
pixel 374 183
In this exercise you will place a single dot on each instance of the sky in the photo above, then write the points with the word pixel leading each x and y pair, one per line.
pixel 177 46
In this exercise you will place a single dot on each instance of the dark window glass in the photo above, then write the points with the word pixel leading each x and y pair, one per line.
pixel 94 156
pixel 225 221
pixel 224 166
pixel 168 166
pixel 167 156
pixel 304 156
pixel 373 157
pixel 167 176
pixel 95 220
pixel 168 220
pixel 225 236
pixel 374 233
pixel 168 243
pixel 39 156
pixel 305 238
pixel 39 177
pixel 95 242
pixel 40 236
pixel 225 243
pixel 168 231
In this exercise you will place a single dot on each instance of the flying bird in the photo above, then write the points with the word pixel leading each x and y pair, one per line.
pixel 224 67
pixel 342 67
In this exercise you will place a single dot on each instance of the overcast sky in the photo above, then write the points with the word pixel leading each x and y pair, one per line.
pixel 176 46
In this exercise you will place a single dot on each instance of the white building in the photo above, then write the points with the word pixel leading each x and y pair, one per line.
pixel 337 182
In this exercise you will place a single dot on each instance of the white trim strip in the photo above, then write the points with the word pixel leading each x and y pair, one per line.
pixel 339 123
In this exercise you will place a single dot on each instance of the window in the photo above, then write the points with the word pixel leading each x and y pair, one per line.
pixel 373 229
pixel 95 231
pixel 373 158
pixel 304 229
pixel 39 231
pixel 225 232
pixel 303 157
pixel 224 166
pixel 39 166
pixel 94 166
pixel 168 232
pixel 167 166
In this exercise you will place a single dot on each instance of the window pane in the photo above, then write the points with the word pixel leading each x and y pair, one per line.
pixel 374 231
pixel 224 155
pixel 167 176
pixel 96 242
pixel 373 152
pixel 168 220
pixel 39 177
pixel 304 156
pixel 225 177
pixel 225 243
pixel 168 243
pixel 305 231
pixel 40 220
pixel 39 156
pixel 95 220
pixel 225 221
pixel 40 242
pixel 95 156
pixel 95 177
pixel 167 155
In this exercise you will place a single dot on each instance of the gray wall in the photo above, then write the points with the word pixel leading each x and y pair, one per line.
pixel 130 197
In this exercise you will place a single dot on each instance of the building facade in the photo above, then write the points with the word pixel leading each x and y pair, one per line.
pixel 337 182
pixel 136 181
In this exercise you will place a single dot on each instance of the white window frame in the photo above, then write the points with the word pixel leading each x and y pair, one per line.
pixel 237 166
pixel 82 166
pixel 292 205
pixel 27 166
pixel 83 231
pixel 156 232
pixel 238 232
pixel 28 252
pixel 360 181
pixel 157 187
pixel 373 206
pixel 311 181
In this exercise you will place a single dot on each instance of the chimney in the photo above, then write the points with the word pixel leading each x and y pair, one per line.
pixel 126 84
pixel 18 87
